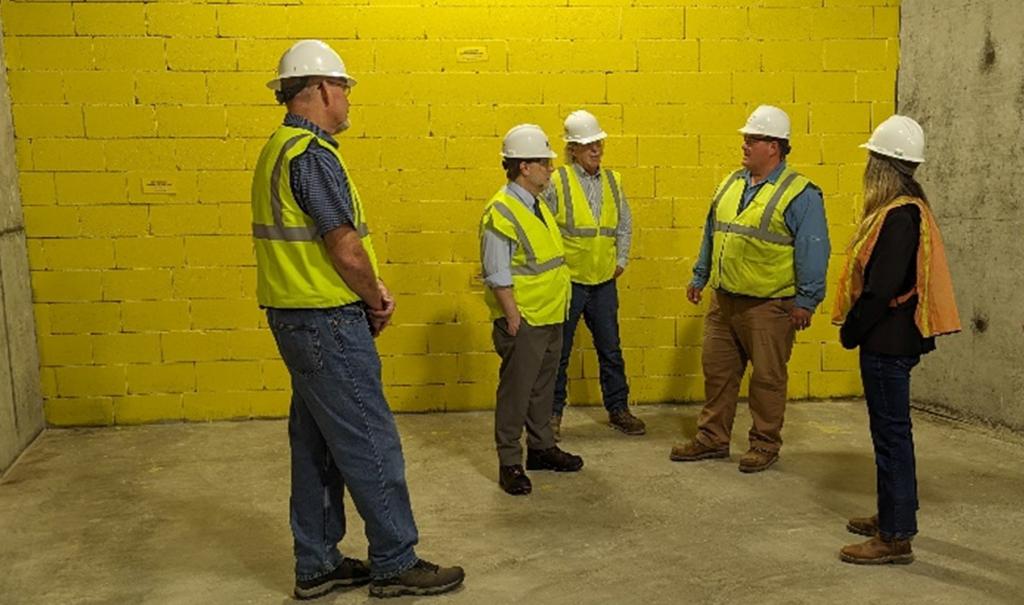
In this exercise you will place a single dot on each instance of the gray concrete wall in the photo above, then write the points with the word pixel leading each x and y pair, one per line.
pixel 962 76
pixel 21 407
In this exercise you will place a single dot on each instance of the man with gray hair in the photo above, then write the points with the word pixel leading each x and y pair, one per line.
pixel 317 279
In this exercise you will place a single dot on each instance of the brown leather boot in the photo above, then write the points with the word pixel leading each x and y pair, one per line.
pixel 695 450
pixel 757 460
pixel 863 526
pixel 626 422
pixel 877 551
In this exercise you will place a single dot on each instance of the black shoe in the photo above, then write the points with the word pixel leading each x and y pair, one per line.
pixel 350 572
pixel 513 480
pixel 421 579
pixel 553 459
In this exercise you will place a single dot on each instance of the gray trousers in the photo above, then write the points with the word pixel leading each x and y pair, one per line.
pixel 526 387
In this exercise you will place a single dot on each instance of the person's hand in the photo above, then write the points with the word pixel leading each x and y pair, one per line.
pixel 693 294
pixel 800 318
pixel 512 323
pixel 618 272
pixel 381 318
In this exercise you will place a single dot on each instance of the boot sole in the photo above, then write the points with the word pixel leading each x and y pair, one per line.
pixel 758 469
pixel 390 592
pixel 853 529
pixel 704 456
pixel 557 469
pixel 322 589
pixel 626 432
pixel 894 559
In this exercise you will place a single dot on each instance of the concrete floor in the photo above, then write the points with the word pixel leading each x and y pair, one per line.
pixel 197 513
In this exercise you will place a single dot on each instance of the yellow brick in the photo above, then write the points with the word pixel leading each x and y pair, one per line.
pixel 574 88
pixel 184 219
pixel 90 188
pixel 49 54
pixel 218 251
pixel 404 56
pixel 404 338
pixel 840 117
pixel 788 55
pixel 843 148
pixel 661 23
pixel 126 121
pixel 321 22
pixel 392 22
pixel 66 286
pixel 109 19
pixel 62 350
pixel 224 314
pixel 780 23
pixel 116 221
pixel 717 23
pixel 225 186
pixel 78 254
pixel 825 87
pixel 421 370
pixel 51 222
pixel 191 121
pixel 235 219
pixel 85 411
pixel 251 344
pixel 32 121
pixel 135 54
pixel 163 378
pixel 392 122
pixel 667 151
pixel 730 55
pixel 875 86
pixel 181 20
pixel 136 284
pixel 837 358
pixel 461 121
pixel 143 409
pixel 668 361
pixel 35 86
pixel 139 154
pixel 256 55
pixel 77 381
pixel 149 252
pixel 668 55
pixel 268 404
pixel 843 23
pixel 253 121
pixel 761 87
pixel 84 318
pixel 603 55
pixel 37 19
pixel 37 188
pixel 207 283
pixel 856 55
pixel 835 384
pixel 228 376
pixel 126 348
pixel 466 152
pixel 215 406
pixel 460 338
pixel 207 154
pixel 155 316
pixel 527 55
pixel 419 247
pixel 239 88
pixel 112 87
pixel 169 87
pixel 887 21
pixel 48 383
pixel 806 357
pixel 252 21
pixel 201 54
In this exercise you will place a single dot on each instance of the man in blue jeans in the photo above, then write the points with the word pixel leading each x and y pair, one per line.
pixel 593 215
pixel 317 279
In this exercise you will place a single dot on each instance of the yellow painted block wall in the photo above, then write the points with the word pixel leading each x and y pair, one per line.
pixel 138 124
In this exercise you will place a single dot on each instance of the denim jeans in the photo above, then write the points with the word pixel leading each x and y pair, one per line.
pixel 599 306
pixel 342 435
pixel 887 389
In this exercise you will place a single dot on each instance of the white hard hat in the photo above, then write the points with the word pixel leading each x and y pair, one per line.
pixel 767 121
pixel 582 127
pixel 310 58
pixel 898 137
pixel 526 141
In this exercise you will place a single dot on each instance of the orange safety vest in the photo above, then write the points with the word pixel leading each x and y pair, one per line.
pixel 936 312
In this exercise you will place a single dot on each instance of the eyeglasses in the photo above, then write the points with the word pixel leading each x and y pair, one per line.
pixel 750 139
pixel 546 162
pixel 343 84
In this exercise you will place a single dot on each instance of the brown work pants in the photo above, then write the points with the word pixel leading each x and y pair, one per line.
pixel 526 387
pixel 739 329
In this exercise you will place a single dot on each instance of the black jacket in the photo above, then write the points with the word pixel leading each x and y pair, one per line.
pixel 891 271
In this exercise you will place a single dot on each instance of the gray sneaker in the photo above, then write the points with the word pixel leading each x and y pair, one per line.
pixel 421 579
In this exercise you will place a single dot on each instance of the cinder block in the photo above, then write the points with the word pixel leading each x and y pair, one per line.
pixel 37 19
pixel 144 409
pixel 113 221
pixel 136 284
pixel 66 286
pixel 201 54
pixel 125 348
pixel 652 23
pixel 122 19
pixel 215 406
pixel 155 316
pixel 129 54
pixel 79 411
pixel 31 121
pixel 181 20
pixel 221 376
pixel 171 88
pixel 162 378
pixel 85 381
pixel 65 350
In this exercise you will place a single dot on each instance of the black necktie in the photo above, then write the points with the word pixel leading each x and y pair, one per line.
pixel 536 210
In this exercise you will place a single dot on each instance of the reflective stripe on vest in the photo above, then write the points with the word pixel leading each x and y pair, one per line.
pixel 590 244
pixel 570 228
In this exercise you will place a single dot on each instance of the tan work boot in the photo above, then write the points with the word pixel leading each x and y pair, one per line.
pixel 556 426
pixel 863 526
pixel 694 450
pixel 626 422
pixel 757 460
pixel 877 551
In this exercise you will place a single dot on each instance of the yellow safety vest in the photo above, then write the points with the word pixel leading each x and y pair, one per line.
pixel 589 247
pixel 540 278
pixel 293 269
pixel 752 252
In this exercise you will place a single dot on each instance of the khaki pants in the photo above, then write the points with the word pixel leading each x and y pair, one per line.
pixel 739 329
pixel 526 388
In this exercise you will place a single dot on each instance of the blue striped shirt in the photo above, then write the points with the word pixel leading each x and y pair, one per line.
pixel 318 181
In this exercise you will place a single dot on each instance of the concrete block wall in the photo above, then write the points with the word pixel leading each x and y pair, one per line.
pixel 138 124
pixel 21 405
pixel 968 93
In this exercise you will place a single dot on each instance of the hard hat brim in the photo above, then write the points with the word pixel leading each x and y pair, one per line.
pixel 759 133
pixel 889 154
pixel 585 140
pixel 275 84
pixel 550 154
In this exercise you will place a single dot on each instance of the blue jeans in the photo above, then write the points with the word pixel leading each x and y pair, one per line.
pixel 887 389
pixel 599 306
pixel 342 435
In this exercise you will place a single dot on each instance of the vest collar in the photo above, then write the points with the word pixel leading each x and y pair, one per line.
pixel 517 191
pixel 297 121
pixel 773 176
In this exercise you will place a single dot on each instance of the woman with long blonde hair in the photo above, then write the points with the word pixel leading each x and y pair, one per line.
pixel 893 298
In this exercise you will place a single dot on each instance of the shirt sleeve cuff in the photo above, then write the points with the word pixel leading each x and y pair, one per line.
pixel 500 279
pixel 805 302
